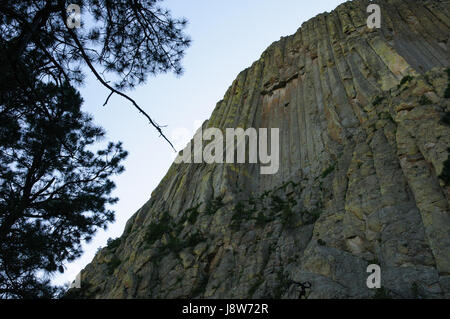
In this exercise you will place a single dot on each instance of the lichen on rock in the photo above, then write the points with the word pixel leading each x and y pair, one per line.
pixel 364 151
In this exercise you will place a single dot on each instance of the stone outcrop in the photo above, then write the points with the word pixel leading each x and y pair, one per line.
pixel 364 136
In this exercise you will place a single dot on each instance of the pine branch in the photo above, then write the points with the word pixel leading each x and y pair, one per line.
pixel 109 87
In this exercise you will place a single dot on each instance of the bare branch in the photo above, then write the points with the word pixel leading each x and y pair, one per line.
pixel 107 99
pixel 109 87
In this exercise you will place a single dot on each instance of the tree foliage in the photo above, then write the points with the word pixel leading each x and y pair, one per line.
pixel 121 42
pixel 55 190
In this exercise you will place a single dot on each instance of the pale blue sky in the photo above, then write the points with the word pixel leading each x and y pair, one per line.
pixel 228 36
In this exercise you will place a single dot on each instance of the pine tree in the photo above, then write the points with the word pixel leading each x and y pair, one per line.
pixel 54 189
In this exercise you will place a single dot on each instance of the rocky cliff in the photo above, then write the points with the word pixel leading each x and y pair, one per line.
pixel 363 178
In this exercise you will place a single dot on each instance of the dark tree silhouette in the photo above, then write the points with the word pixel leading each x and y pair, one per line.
pixel 126 40
pixel 54 189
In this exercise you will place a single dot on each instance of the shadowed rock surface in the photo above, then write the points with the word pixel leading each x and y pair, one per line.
pixel 364 136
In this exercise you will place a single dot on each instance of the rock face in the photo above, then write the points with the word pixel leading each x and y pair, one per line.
pixel 364 136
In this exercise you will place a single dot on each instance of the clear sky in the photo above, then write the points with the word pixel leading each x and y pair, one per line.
pixel 227 37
